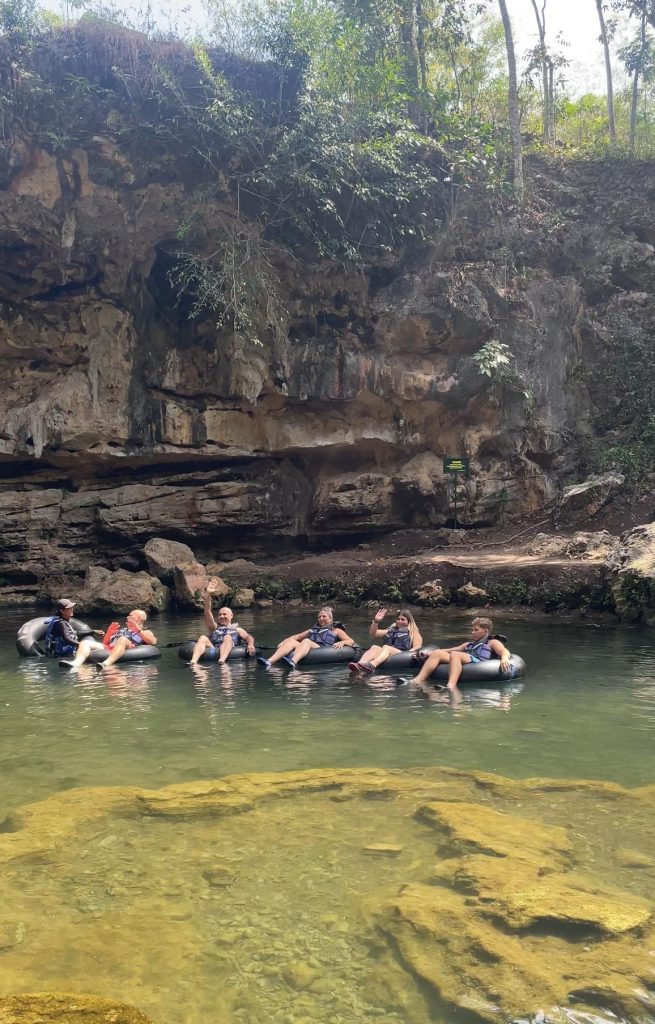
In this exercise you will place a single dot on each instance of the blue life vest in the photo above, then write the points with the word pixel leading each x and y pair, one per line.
pixel 130 634
pixel 219 634
pixel 54 644
pixel 480 650
pixel 399 638
pixel 324 636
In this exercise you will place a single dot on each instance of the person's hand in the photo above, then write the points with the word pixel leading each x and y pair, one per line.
pixel 212 586
pixel 339 644
pixel 379 615
pixel 504 664
pixel 251 649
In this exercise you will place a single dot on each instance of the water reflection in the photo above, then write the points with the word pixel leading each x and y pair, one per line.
pixel 213 720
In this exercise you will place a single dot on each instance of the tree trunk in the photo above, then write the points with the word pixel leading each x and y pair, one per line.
pixel 514 118
pixel 546 78
pixel 635 83
pixel 410 54
pixel 608 72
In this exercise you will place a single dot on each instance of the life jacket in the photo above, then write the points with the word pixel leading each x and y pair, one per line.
pixel 219 634
pixel 399 638
pixel 324 636
pixel 480 649
pixel 133 635
pixel 54 644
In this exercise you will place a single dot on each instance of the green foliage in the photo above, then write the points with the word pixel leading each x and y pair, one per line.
pixel 318 590
pixel 550 595
pixel 22 21
pixel 622 386
pixel 636 594
pixel 393 593
pixel 273 589
pixel 492 358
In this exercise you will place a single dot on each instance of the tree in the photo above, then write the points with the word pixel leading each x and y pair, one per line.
pixel 638 57
pixel 608 71
pixel 547 75
pixel 513 96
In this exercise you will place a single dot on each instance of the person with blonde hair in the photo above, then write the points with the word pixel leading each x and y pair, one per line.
pixel 323 634
pixel 481 647
pixel 402 636
pixel 117 640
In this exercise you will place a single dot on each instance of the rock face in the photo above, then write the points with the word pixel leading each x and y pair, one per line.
pixel 123 421
pixel 633 566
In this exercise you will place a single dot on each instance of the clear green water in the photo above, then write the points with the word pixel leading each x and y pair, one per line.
pixel 586 709
pixel 137 919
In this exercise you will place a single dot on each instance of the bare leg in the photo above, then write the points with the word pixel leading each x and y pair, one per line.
pixel 202 644
pixel 284 648
pixel 431 663
pixel 368 655
pixel 117 651
pixel 83 651
pixel 224 650
pixel 457 660
pixel 382 655
pixel 303 649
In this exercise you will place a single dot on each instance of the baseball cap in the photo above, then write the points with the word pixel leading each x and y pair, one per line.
pixel 65 603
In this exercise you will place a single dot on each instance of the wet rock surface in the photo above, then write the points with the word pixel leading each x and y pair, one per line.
pixel 57 1008
pixel 385 894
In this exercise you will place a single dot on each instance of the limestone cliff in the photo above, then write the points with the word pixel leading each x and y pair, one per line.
pixel 124 419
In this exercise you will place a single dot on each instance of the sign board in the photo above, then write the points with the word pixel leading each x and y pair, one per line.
pixel 455 464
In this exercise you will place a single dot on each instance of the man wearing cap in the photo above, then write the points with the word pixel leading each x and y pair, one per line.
pixel 61 638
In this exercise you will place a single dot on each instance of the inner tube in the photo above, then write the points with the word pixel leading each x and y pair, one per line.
pixel 330 656
pixel 185 651
pixel 486 672
pixel 143 652
pixel 317 656
pixel 30 633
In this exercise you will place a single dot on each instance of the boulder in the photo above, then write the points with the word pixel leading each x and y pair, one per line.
pixel 243 598
pixel 431 594
pixel 121 591
pixel 163 555
pixel 600 544
pixel 190 581
pixel 471 595
pixel 584 500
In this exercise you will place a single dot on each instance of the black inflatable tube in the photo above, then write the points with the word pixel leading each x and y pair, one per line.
pixel 329 656
pixel 317 656
pixel 185 651
pixel 144 652
pixel 485 672
pixel 30 633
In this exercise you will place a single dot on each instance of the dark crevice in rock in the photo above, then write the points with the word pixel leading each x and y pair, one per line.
pixel 70 288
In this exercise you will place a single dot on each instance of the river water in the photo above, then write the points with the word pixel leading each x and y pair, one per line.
pixel 585 710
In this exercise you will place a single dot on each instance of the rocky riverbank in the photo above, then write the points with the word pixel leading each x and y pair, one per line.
pixel 581 573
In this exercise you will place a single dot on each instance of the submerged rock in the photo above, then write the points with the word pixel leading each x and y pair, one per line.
pixel 57 1008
